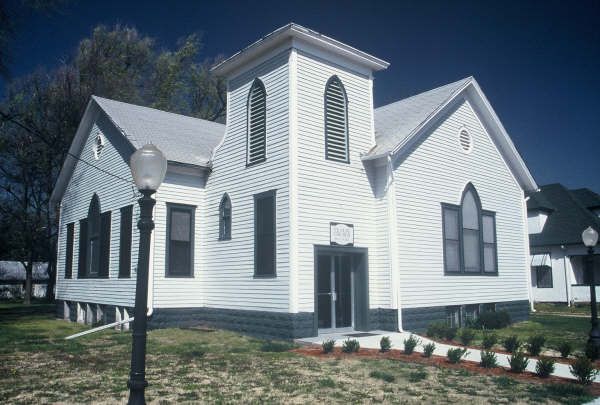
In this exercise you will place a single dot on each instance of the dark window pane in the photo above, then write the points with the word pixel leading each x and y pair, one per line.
pixel 470 212
pixel 180 247
pixel 179 258
pixel 452 255
pixel 83 241
pixel 451 224
pixel 488 229
pixel 489 258
pixel 125 241
pixel 264 239
pixel 543 276
pixel 105 229
pixel 471 250
pixel 69 251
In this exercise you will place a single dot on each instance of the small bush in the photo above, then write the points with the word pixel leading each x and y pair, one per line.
pixel 327 382
pixel 271 346
pixel 328 345
pixel 385 344
pixel 436 329
pixel 350 346
pixel 511 344
pixel 592 351
pixel 488 359
pixel 410 344
pixel 466 336
pixel 518 362
pixel 382 375
pixel 489 340
pixel 417 376
pixel 565 348
pixel 584 370
pixel 455 354
pixel 428 349
pixel 535 344
pixel 493 320
pixel 450 333
pixel 544 367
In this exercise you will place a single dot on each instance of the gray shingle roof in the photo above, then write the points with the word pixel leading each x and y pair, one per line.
pixel 182 139
pixel 587 197
pixel 566 222
pixel 396 121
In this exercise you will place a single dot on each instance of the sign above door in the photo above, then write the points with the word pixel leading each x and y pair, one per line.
pixel 341 234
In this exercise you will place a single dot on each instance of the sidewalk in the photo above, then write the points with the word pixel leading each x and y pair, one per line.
pixel 397 339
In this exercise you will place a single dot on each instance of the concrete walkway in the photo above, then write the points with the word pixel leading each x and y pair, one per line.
pixel 441 349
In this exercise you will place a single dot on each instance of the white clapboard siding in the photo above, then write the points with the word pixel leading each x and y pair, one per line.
pixel 113 194
pixel 227 280
pixel 330 191
pixel 436 172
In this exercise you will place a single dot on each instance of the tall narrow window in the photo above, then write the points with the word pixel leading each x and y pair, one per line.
pixel 225 218
pixel 336 121
pixel 125 241
pixel 264 234
pixel 69 251
pixel 92 267
pixel 257 124
pixel 105 229
pixel 471 235
pixel 180 235
pixel 83 240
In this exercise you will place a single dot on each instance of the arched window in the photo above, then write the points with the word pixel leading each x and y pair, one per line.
pixel 336 121
pixel 93 243
pixel 257 124
pixel 225 218
pixel 469 236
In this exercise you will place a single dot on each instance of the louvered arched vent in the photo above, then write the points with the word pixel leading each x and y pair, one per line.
pixel 257 123
pixel 336 117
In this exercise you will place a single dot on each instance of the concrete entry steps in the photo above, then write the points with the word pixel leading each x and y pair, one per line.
pixel 397 339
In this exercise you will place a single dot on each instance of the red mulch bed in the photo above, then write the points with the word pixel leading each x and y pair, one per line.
pixel 438 361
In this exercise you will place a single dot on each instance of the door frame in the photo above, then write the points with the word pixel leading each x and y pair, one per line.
pixel 362 266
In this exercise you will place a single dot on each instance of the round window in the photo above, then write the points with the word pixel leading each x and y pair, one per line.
pixel 465 140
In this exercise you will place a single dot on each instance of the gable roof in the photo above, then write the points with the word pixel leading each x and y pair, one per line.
pixel 401 124
pixel 587 197
pixel 567 220
pixel 183 140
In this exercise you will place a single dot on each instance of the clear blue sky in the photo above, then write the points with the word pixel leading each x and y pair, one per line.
pixel 538 62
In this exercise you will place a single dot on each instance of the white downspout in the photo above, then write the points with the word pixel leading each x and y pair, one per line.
pixel 567 276
pixel 393 241
pixel 151 276
pixel 527 252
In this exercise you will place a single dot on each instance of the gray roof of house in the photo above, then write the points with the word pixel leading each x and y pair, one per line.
pixel 568 218
pixel 587 197
pixel 396 121
pixel 182 139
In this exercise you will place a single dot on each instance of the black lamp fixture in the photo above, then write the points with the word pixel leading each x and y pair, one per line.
pixel 590 239
pixel 148 168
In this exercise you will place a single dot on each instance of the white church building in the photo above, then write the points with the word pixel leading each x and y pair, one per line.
pixel 308 211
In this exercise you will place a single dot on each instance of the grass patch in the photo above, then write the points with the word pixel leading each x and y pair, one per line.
pixel 382 375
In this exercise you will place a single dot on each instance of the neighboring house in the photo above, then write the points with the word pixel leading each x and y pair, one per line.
pixel 557 217
pixel 12 279
pixel 309 210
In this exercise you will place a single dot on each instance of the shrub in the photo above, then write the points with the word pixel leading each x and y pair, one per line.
pixel 417 375
pixel 428 349
pixel 385 344
pixel 350 346
pixel 466 336
pixel 410 344
pixel 455 354
pixel 584 370
pixel 565 348
pixel 511 344
pixel 328 345
pixel 535 344
pixel 489 340
pixel 436 329
pixel 592 351
pixel 544 367
pixel 271 346
pixel 450 333
pixel 382 375
pixel 518 362
pixel 488 359
pixel 493 320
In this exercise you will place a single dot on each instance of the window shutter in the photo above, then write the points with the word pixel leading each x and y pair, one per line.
pixel 257 123
pixel 104 244
pixel 336 126
pixel 82 248
pixel 265 235
pixel 69 251
pixel 125 241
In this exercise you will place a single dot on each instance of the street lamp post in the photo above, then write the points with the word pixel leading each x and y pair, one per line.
pixel 590 238
pixel 148 168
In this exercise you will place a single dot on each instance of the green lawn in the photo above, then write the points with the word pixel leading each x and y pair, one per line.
pixel 577 309
pixel 38 366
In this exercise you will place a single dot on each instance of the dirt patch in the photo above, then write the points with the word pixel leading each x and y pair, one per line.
pixel 439 361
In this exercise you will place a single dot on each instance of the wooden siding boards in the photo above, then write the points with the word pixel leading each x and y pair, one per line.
pixel 228 277
pixel 84 182
pixel 334 191
pixel 436 171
